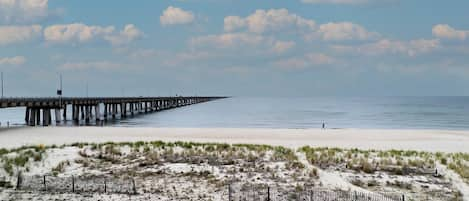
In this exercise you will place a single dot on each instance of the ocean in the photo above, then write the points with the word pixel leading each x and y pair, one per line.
pixel 446 113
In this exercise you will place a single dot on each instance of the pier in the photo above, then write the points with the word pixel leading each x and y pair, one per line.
pixel 39 111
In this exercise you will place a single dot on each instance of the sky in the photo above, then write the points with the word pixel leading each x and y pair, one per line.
pixel 235 47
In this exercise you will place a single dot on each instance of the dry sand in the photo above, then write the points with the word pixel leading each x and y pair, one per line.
pixel 425 140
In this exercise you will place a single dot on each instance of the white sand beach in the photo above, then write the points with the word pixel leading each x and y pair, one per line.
pixel 177 169
pixel 424 140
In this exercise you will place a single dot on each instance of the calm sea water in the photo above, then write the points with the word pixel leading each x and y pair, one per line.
pixel 337 112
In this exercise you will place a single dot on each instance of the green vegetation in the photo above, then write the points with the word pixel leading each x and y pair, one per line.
pixel 282 154
pixel 8 167
pixel 460 168
pixel 4 151
pixel 19 157
pixel 400 184
pixel 397 162
pixel 60 167
pixel 248 156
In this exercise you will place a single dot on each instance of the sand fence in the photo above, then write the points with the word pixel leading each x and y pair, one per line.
pixel 72 184
pixel 233 192
pixel 253 192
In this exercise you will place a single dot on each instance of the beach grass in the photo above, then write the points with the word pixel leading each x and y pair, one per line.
pixel 244 162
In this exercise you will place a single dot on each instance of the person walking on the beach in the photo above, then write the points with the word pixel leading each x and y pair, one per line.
pixel 323 125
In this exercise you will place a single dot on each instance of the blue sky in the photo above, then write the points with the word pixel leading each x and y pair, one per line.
pixel 239 48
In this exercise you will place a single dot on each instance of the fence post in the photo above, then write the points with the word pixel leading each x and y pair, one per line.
pixel 73 184
pixel 229 192
pixel 133 186
pixel 44 182
pixel 268 193
pixel 18 181
pixel 252 194
pixel 403 197
pixel 311 195
pixel 105 186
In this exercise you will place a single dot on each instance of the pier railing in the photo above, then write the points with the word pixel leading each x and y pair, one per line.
pixel 25 101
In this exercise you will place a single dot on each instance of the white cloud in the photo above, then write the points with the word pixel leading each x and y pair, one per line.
pixel 264 28
pixel 421 46
pixel 335 1
pixel 282 46
pixel 232 23
pixel 173 16
pixel 17 34
pixel 386 46
pixel 256 43
pixel 448 32
pixel 308 60
pixel 129 34
pixel 269 20
pixel 18 60
pixel 228 40
pixel 19 11
pixel 75 32
pixel 344 31
pixel 278 21
pixel 97 65
pixel 80 33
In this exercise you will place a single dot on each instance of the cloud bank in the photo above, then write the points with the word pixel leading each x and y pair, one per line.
pixel 23 11
pixel 82 33
pixel 447 32
pixel 19 34
pixel 18 60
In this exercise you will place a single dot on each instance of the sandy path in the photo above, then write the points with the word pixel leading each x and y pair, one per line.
pixel 428 140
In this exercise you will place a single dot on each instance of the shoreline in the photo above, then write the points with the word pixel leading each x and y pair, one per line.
pixel 380 139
